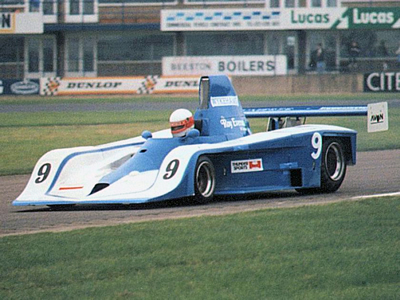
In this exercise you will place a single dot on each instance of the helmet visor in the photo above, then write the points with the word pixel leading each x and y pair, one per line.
pixel 180 126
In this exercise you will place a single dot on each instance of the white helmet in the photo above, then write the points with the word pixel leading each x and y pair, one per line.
pixel 181 121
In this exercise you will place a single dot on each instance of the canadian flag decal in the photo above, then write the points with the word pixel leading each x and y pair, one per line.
pixel 250 165
pixel 255 164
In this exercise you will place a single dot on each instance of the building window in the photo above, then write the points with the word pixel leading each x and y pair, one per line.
pixel 11 49
pixel 200 1
pixel 88 56
pixel 332 3
pixel 146 2
pixel 224 44
pixel 380 44
pixel 74 8
pixel 33 56
pixel 140 48
pixel 34 5
pixel 88 7
pixel 81 11
pixel 329 41
pixel 73 55
pixel 48 7
pixel 316 3
pixel 289 3
pixel 81 56
pixel 40 56
pixel 48 55
pixel 274 3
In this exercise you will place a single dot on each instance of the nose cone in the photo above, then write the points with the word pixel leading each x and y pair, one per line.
pixel 134 184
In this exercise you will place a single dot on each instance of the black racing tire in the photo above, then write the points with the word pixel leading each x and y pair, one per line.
pixel 204 181
pixel 333 168
pixel 333 165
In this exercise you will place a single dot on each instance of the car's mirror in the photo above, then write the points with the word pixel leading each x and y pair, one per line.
pixel 194 133
pixel 146 135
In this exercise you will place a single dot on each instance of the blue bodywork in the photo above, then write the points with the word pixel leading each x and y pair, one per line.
pixel 244 163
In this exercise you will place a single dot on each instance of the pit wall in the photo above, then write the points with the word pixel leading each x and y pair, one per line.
pixel 299 84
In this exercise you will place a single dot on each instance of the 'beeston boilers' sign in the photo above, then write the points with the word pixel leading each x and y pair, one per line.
pixel 382 82
pixel 230 65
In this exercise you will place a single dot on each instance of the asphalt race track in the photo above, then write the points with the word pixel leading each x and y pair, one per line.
pixel 376 173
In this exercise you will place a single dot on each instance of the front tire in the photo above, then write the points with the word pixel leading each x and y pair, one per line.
pixel 204 181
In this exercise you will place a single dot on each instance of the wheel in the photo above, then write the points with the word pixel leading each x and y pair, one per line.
pixel 204 181
pixel 333 168
pixel 333 165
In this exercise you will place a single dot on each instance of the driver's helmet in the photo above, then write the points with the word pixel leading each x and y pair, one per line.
pixel 181 121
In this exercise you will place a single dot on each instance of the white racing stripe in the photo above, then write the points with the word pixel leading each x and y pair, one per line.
pixel 377 195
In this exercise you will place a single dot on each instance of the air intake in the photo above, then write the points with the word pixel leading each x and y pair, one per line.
pixel 98 187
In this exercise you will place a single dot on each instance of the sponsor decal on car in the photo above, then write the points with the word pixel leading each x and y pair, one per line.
pixel 232 122
pixel 378 117
pixel 224 101
pixel 250 165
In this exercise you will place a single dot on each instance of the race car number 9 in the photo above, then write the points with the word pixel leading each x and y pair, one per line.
pixel 43 173
pixel 316 142
pixel 171 169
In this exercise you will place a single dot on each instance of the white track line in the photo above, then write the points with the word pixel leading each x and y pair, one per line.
pixel 377 195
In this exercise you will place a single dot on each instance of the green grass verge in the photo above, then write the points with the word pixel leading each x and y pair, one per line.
pixel 188 98
pixel 337 251
pixel 35 119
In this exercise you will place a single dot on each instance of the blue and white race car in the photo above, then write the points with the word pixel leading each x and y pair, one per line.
pixel 219 156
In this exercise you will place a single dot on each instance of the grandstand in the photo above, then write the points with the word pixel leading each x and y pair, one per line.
pixel 95 38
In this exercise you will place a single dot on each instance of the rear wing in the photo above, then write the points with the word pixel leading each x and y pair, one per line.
pixel 378 119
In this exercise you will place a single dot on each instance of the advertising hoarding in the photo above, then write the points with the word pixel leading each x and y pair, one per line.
pixel 55 86
pixel 280 19
pixel 21 23
pixel 19 87
pixel 382 82
pixel 267 65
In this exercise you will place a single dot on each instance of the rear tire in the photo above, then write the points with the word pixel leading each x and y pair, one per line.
pixel 333 168
pixel 204 181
